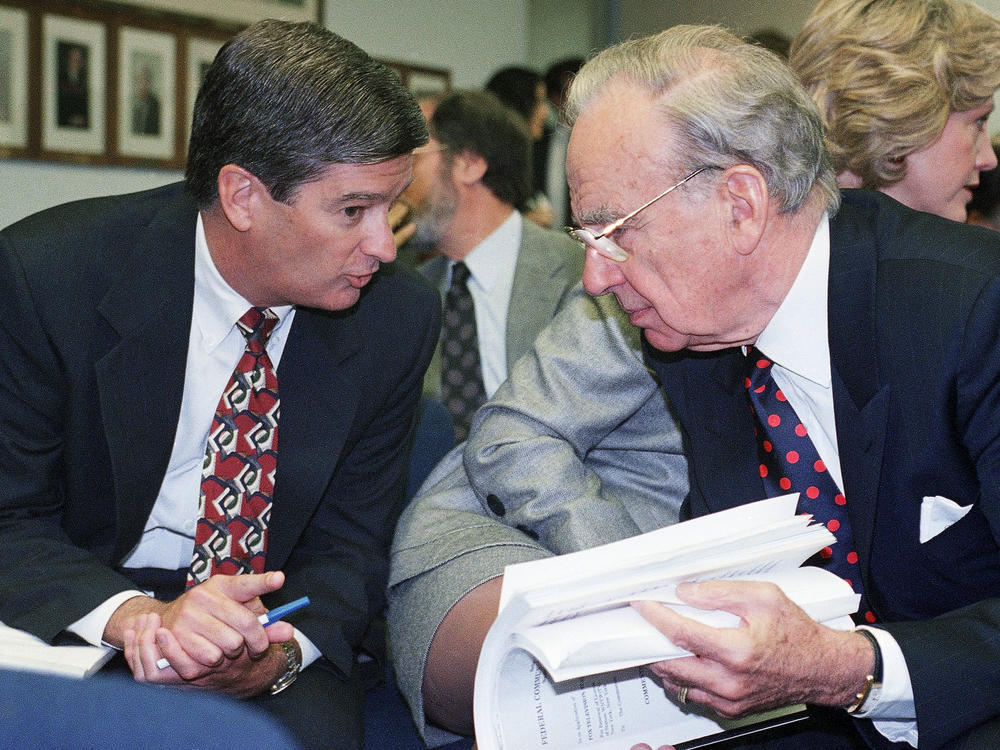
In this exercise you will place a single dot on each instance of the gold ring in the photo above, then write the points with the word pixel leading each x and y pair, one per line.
pixel 682 695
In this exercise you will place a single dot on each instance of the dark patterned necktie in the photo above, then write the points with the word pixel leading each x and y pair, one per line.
pixel 789 462
pixel 238 472
pixel 461 374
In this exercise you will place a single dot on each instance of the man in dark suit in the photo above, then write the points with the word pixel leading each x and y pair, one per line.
pixel 878 326
pixel 120 334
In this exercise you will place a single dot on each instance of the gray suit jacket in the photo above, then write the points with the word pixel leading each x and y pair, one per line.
pixel 583 451
pixel 548 265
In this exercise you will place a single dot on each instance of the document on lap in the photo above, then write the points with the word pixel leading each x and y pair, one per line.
pixel 22 651
pixel 567 649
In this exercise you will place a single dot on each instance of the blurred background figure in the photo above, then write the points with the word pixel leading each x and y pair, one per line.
pixel 905 88
pixel 558 76
pixel 401 213
pixel 502 279
pixel 523 90
pixel 984 209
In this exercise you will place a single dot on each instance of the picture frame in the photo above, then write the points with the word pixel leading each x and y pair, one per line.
pixel 73 85
pixel 200 53
pixel 422 79
pixel 242 12
pixel 146 125
pixel 13 78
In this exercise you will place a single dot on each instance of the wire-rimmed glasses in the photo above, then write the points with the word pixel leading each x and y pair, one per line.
pixel 602 243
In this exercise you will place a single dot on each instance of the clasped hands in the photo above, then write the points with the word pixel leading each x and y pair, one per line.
pixel 776 656
pixel 210 635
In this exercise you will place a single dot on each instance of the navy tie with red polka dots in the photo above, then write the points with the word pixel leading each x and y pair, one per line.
pixel 789 462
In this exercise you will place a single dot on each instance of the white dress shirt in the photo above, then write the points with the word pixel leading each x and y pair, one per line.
pixel 215 345
pixel 491 266
pixel 796 339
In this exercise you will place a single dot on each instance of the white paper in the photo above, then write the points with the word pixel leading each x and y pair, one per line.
pixel 572 612
pixel 22 651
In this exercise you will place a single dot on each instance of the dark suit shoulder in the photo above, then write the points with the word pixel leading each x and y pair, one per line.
pixel 904 234
pixel 89 232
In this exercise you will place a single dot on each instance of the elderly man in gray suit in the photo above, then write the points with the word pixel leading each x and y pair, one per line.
pixel 502 277
pixel 610 465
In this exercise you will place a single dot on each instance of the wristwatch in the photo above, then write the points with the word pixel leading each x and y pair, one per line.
pixel 292 667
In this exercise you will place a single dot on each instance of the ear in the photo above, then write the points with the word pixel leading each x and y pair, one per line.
pixel 468 167
pixel 749 206
pixel 239 189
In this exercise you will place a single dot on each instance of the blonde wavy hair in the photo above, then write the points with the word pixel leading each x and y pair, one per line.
pixel 886 74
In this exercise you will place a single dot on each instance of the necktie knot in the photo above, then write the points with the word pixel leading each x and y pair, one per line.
pixel 256 325
pixel 758 370
pixel 460 274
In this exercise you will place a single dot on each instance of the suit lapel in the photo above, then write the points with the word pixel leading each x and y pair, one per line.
pixel 860 402
pixel 141 380
pixel 318 382
pixel 539 267
pixel 434 271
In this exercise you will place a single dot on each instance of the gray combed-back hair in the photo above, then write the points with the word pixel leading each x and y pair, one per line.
pixel 727 102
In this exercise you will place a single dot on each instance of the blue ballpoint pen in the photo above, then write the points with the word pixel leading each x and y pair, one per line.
pixel 266 619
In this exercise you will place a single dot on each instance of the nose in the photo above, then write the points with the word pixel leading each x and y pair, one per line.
pixel 600 275
pixel 380 243
pixel 986 158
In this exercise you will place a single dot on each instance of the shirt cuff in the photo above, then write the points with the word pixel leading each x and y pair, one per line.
pixel 91 626
pixel 892 712
pixel 309 651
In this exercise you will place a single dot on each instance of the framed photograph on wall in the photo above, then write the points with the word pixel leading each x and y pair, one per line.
pixel 147 94
pixel 73 85
pixel 200 53
pixel 13 78
pixel 238 11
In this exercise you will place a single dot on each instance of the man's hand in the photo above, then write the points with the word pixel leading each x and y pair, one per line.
pixel 777 656
pixel 211 623
pixel 244 676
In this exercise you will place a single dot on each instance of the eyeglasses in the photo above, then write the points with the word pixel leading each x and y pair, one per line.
pixel 602 243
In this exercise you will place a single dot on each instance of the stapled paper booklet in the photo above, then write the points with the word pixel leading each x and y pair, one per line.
pixel 562 665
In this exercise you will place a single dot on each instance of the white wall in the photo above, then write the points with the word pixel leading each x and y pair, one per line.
pixel 470 37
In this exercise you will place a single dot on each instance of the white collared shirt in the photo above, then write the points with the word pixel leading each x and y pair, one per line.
pixel 215 345
pixel 491 266
pixel 796 339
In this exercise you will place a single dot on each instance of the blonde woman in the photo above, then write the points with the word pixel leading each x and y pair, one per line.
pixel 905 88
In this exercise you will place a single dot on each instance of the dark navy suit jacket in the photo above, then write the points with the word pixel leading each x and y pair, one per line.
pixel 914 332
pixel 98 299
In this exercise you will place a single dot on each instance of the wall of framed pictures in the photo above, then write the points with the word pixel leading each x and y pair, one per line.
pixel 101 83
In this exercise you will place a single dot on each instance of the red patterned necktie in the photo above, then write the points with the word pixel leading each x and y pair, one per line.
pixel 237 480
pixel 789 462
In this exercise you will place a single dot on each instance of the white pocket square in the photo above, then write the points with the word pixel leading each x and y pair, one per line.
pixel 937 514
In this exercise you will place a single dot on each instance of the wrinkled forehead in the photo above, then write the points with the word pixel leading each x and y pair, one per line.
pixel 618 145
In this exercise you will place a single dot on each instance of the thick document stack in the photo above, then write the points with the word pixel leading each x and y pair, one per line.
pixel 562 665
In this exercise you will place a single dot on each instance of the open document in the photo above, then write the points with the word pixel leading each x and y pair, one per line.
pixel 561 665
pixel 22 651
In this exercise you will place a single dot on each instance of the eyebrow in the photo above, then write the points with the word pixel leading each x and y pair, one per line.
pixel 353 197
pixel 599 217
